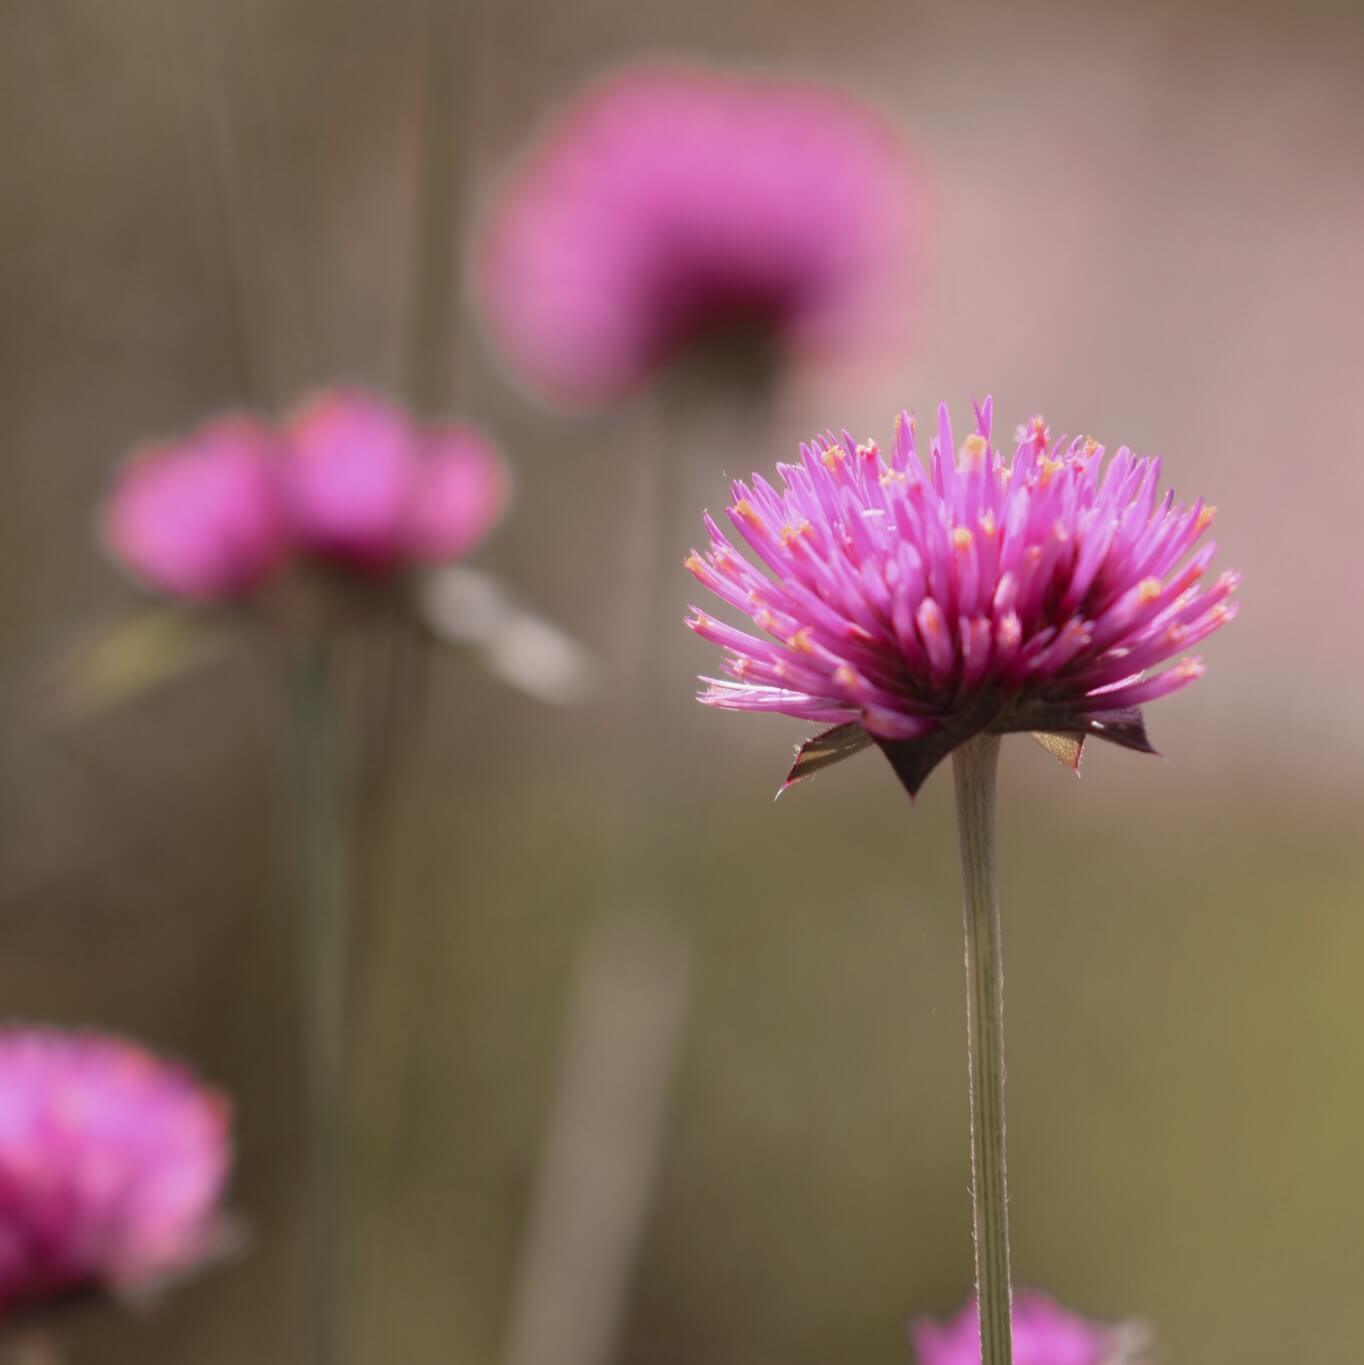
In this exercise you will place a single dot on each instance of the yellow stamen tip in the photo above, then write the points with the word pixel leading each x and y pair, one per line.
pixel 748 512
pixel 1148 589
pixel 845 677
pixel 972 453
pixel 1205 518
pixel 694 563
pixel 962 538
pixel 987 522
pixel 831 456
pixel 800 641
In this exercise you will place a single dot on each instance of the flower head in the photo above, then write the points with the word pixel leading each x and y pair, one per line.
pixel 1043 1334
pixel 112 1166
pixel 201 518
pixel 915 608
pixel 461 489
pixel 670 202
pixel 349 479
pixel 367 487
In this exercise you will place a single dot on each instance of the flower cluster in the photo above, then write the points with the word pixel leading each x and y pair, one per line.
pixel 347 480
pixel 670 202
pixel 915 607
pixel 112 1166
pixel 1043 1334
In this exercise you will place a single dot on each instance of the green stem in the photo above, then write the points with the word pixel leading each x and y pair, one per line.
pixel 975 766
pixel 324 942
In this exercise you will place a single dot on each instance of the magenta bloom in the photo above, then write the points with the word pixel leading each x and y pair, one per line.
pixel 200 519
pixel 1043 1334
pixel 916 608
pixel 670 201
pixel 112 1166
pixel 367 487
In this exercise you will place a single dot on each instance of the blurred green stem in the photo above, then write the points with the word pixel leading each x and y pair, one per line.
pixel 975 765
pixel 324 848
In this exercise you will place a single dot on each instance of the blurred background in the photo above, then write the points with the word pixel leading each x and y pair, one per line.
pixel 1145 225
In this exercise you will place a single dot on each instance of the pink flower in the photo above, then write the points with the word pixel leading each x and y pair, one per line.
pixel 669 201
pixel 112 1166
pixel 201 518
pixel 461 491
pixel 1043 1334
pixel 366 487
pixel 914 608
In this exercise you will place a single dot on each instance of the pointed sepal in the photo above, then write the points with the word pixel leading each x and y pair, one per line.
pixel 825 749
pixel 1066 749
pixel 1123 725
pixel 914 759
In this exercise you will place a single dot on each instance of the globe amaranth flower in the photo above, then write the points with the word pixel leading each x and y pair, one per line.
pixel 349 479
pixel 1043 1334
pixel 915 607
pixel 672 201
pixel 366 486
pixel 200 519
pixel 112 1167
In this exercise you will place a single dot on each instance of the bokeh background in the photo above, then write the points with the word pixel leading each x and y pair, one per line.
pixel 1145 224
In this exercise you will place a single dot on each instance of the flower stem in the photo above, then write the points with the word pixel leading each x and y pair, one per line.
pixel 975 765
pixel 324 942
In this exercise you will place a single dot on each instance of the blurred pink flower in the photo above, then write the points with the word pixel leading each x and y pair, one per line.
pixel 366 487
pixel 916 609
pixel 112 1166
pixel 199 518
pixel 461 490
pixel 1044 1334
pixel 669 200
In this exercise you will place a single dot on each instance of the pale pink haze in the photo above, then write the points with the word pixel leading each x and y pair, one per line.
pixel 920 604
pixel 368 486
pixel 112 1166
pixel 668 200
pixel 1044 1333
pixel 201 518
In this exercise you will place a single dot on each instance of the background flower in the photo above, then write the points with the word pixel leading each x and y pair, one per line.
pixel 1044 1334
pixel 367 486
pixel 112 1166
pixel 349 479
pixel 460 491
pixel 668 202
pixel 200 518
